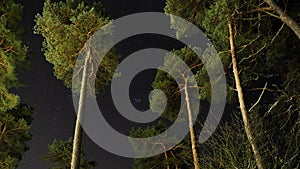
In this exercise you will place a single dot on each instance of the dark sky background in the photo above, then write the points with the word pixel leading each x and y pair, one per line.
pixel 54 114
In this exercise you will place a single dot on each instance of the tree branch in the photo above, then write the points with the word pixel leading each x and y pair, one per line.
pixel 290 22
pixel 259 98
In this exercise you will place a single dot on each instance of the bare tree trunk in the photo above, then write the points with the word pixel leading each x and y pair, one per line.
pixel 165 153
pixel 77 142
pixel 166 156
pixel 290 22
pixel 241 101
pixel 192 133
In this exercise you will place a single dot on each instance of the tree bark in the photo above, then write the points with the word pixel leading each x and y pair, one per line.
pixel 77 141
pixel 192 133
pixel 166 156
pixel 245 117
pixel 165 153
pixel 290 22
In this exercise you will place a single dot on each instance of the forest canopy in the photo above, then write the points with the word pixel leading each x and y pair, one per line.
pixel 15 117
pixel 258 42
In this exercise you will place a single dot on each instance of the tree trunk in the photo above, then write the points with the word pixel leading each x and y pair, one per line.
pixel 75 162
pixel 192 133
pixel 241 100
pixel 166 156
pixel 77 141
pixel 290 22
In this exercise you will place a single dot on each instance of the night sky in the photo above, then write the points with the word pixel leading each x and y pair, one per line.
pixel 54 115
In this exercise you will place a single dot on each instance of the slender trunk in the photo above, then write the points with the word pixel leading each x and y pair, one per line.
pixel 166 156
pixel 192 133
pixel 75 162
pixel 77 141
pixel 165 153
pixel 290 22
pixel 241 101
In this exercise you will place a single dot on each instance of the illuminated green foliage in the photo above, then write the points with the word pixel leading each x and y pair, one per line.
pixel 15 118
pixel 12 52
pixel 268 60
pixel 14 133
pixel 178 156
pixel 59 155
pixel 66 27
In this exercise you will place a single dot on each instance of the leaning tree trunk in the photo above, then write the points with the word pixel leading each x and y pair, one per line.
pixel 290 22
pixel 75 161
pixel 245 117
pixel 192 133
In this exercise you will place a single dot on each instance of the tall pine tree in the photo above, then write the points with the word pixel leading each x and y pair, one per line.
pixel 265 52
pixel 66 27
pixel 15 118
pixel 266 56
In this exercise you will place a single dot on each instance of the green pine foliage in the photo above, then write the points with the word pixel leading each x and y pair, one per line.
pixel 15 118
pixel 59 155
pixel 267 54
pixel 166 83
pixel 14 133
pixel 178 156
pixel 12 52
pixel 189 10
pixel 66 26
pixel 268 60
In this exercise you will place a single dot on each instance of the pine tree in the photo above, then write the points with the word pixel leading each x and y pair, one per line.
pixel 59 155
pixel 266 56
pixel 12 52
pixel 15 118
pixel 66 27
pixel 166 83
pixel 14 133
pixel 248 128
